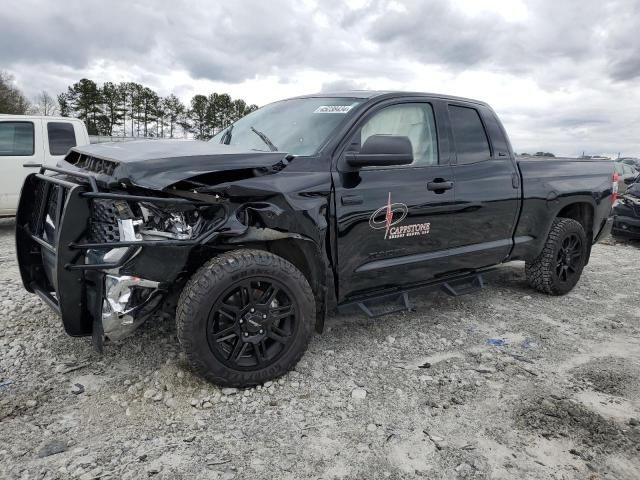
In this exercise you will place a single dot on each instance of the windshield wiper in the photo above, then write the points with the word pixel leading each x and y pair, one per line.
pixel 226 138
pixel 265 139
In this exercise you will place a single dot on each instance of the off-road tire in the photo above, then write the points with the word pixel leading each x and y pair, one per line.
pixel 208 284
pixel 541 272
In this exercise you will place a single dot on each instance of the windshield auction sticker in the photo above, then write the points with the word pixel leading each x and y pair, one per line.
pixel 390 216
pixel 333 109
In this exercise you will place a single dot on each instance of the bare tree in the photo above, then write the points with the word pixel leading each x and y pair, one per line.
pixel 11 98
pixel 46 105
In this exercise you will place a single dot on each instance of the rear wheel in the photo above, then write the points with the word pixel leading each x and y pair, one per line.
pixel 245 317
pixel 558 268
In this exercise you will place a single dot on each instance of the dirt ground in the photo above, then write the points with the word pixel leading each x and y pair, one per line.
pixel 504 383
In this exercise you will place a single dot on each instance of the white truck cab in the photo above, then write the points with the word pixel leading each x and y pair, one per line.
pixel 26 140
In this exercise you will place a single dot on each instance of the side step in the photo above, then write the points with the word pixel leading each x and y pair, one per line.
pixel 403 297
pixel 454 288
pixel 463 286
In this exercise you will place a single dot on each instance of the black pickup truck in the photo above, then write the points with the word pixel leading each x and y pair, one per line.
pixel 302 207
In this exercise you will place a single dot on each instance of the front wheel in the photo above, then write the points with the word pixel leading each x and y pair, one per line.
pixel 245 317
pixel 558 268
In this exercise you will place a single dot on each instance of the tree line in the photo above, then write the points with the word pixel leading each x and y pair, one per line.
pixel 129 109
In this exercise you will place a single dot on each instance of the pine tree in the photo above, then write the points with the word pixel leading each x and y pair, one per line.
pixel 175 110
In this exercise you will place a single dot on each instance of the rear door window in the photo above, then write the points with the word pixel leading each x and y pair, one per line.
pixel 16 139
pixel 472 144
pixel 61 137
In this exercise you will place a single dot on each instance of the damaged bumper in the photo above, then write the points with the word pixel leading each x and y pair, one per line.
pixel 100 273
pixel 128 301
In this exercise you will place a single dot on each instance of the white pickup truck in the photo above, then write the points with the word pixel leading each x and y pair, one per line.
pixel 35 140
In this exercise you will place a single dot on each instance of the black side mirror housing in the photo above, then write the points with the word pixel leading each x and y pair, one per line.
pixel 382 150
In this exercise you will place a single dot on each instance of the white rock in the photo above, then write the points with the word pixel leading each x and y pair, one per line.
pixel 229 391
pixel 150 393
pixel 371 427
pixel 359 394
pixel 391 340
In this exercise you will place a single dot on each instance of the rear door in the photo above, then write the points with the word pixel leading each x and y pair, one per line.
pixel 60 136
pixel 393 226
pixel 487 186
pixel 20 144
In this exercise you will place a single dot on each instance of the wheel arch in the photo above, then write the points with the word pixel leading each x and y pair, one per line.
pixel 307 257
pixel 583 213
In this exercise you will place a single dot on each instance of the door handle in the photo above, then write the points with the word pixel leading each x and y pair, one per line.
pixel 439 185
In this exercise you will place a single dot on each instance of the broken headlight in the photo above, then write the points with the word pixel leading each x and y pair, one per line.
pixel 170 223
pixel 146 221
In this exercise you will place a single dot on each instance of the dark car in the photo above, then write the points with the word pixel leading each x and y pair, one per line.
pixel 627 174
pixel 626 214
pixel 302 206
pixel 634 162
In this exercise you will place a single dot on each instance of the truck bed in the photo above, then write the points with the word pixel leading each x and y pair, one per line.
pixel 549 185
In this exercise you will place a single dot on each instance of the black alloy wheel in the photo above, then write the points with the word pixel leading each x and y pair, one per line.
pixel 568 260
pixel 557 269
pixel 245 317
pixel 252 323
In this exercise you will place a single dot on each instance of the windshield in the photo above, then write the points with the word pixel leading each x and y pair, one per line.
pixel 299 126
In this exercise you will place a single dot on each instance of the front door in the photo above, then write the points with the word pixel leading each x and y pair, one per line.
pixel 19 145
pixel 392 222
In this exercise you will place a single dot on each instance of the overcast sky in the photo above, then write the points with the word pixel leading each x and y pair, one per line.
pixel 563 75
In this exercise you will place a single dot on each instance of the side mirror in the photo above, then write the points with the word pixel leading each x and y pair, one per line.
pixel 382 150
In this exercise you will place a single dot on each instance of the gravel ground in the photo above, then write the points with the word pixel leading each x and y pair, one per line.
pixel 424 394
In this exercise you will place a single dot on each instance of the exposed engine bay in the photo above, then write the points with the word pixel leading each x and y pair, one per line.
pixel 145 221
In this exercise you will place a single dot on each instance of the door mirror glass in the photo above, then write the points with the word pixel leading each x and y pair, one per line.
pixel 382 150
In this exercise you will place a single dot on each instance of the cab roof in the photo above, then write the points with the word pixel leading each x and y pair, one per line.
pixel 384 94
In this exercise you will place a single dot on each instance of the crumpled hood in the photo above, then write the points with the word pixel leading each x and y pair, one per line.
pixel 160 163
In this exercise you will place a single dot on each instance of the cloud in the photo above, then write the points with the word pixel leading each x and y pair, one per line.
pixel 341 85
pixel 572 64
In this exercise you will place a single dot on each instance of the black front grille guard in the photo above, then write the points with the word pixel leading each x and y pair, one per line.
pixel 63 288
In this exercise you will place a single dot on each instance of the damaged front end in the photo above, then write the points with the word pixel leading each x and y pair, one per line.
pixel 106 250
pixel 128 301
pixel 105 261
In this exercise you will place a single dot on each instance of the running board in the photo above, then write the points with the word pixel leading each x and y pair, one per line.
pixel 403 297
pixel 455 288
pixel 463 286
